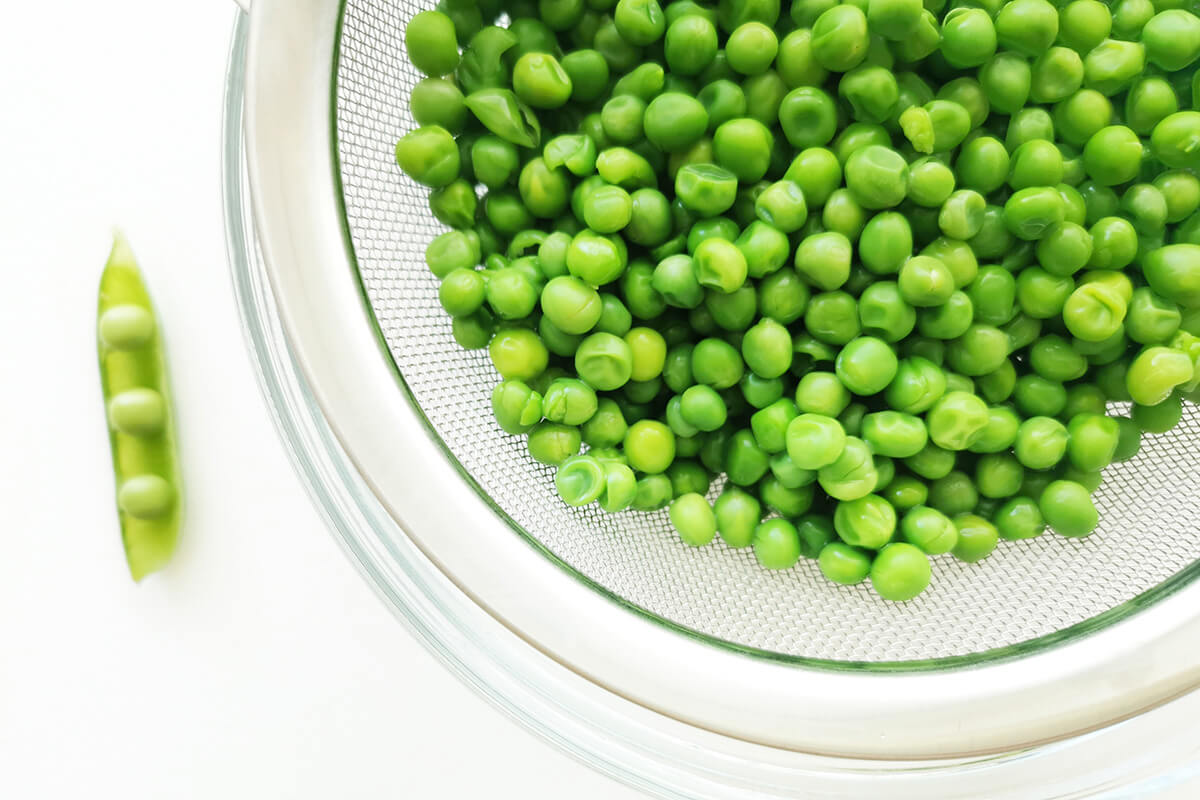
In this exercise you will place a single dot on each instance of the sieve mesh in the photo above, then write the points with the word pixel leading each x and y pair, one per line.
pixel 1149 506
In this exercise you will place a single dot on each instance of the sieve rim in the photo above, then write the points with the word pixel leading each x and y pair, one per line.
pixel 301 225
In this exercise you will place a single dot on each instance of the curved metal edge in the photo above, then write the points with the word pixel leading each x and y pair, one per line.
pixel 1109 675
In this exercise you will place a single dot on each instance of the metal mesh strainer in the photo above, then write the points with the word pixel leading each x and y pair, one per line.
pixel 1149 506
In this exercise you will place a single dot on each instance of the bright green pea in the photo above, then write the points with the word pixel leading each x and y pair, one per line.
pixel 844 214
pixel 640 22
pixel 580 480
pixel 674 121
pixel 1151 319
pixel 877 176
pixel 431 43
pixel 1067 508
pixel 706 189
pixel 552 443
pixel 977 538
pixel 821 393
pixel 796 63
pixel 745 462
pixel 1155 373
pixel 852 475
pixel 866 365
pixel 814 441
pixel 900 571
pixel 776 544
pixel 931 182
pixel 690 44
pixel 1006 79
pixel 844 564
pixel 968 37
pixel 956 420
pixel 922 42
pixel 824 259
pixel 1174 273
pixel 518 353
pixel 1172 39
pixel 840 38
pixel 1094 312
pixel 1019 518
pixel 868 522
pixel 429 156
pixel 1174 140
pixel 817 171
pixel 1041 442
pixel 929 529
pixel 720 265
pixel 751 48
pixel 949 320
pixel 883 311
pixel 717 363
pixel 737 514
pixel 894 434
pixel 1113 64
pixel 693 518
pixel 886 242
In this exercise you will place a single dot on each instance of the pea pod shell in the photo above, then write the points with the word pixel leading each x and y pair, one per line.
pixel 133 369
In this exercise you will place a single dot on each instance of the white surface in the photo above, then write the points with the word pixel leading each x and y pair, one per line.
pixel 259 665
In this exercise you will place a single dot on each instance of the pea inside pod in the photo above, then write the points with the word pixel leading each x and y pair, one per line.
pixel 133 379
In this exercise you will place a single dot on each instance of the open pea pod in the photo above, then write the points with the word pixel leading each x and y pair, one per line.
pixel 504 115
pixel 133 379
pixel 482 65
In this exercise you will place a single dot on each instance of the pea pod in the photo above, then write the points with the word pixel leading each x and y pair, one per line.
pixel 133 379
pixel 504 115
pixel 482 64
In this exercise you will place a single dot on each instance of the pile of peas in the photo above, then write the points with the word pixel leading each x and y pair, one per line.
pixel 883 263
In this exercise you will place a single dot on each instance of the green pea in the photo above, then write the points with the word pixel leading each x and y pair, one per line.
pixel 824 259
pixel 1067 508
pixel 956 420
pixel 900 572
pixel 1031 212
pixel 932 463
pixel 844 564
pixel 877 176
pixel 588 72
pixel 977 538
pixel 840 38
pixel 429 156
pixel 580 480
pixel 1006 79
pixel 968 37
pixel 886 243
pixel 796 62
pixel 743 146
pixel 717 363
pixel 737 514
pixel 894 434
pixel 776 544
pixel 1113 64
pixel 949 320
pixel 690 44
pixel 817 171
pixel 868 522
pixel 431 43
pixel 1000 431
pixel 1172 39
pixel 922 42
pixel 745 462
pixel 751 48
pixel 953 494
pixel 1155 373
pixel 552 443
pixel 1174 273
pixel 928 529
pixel 1041 442
pixel 1094 312
pixel 893 19
pixel 653 492
pixel 693 518
pixel 883 312
pixel 866 365
pixel 1019 518
pixel 852 475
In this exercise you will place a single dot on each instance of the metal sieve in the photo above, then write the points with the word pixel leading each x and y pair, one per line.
pixel 1045 639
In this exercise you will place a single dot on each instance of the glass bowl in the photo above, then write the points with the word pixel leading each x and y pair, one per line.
pixel 648 701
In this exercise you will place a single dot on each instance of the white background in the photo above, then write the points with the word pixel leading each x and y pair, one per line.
pixel 259 665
